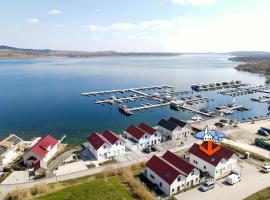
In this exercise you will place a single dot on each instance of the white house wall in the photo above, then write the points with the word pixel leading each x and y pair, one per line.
pixel 177 185
pixel 10 155
pixel 51 153
pixel 157 180
pixel 107 151
pixel 214 171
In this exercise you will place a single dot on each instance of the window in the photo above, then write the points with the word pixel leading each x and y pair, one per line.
pixel 179 179
pixel 160 184
pixel 178 188
pixel 204 167
pixel 152 176
pixel 155 134
pixel 116 143
pixel 172 190
pixel 188 184
pixel 145 136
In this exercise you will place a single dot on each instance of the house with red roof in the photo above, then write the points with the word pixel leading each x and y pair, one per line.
pixel 219 164
pixel 170 173
pixel 43 150
pixel 106 145
pixel 137 137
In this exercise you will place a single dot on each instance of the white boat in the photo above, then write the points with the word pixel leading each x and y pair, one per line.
pixel 196 118
pixel 175 105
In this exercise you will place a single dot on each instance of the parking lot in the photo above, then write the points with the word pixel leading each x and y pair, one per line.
pixel 252 181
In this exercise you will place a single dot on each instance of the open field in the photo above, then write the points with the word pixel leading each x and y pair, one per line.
pixel 111 188
pixel 245 132
pixel 109 184
pixel 261 195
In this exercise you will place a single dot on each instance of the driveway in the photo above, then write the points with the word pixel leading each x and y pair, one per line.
pixel 252 181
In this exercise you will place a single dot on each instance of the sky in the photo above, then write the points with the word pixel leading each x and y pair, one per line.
pixel 137 25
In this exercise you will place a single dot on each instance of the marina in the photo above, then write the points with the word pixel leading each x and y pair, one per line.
pixel 264 99
pixel 160 96
pixel 216 86
pixel 245 91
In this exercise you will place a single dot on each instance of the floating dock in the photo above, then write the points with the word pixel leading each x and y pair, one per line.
pixel 125 90
pixel 245 90
pixel 216 86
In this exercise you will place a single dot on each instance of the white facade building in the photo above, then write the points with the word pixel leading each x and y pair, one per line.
pixel 10 149
pixel 171 173
pixel 174 128
pixel 141 136
pixel 43 150
pixel 219 164
pixel 107 145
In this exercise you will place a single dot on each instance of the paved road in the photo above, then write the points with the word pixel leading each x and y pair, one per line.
pixel 252 181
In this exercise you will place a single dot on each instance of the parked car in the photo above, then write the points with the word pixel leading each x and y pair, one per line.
pixel 232 179
pixel 263 132
pixel 265 129
pixel 208 185
pixel 265 168
pixel 147 149
pixel 153 148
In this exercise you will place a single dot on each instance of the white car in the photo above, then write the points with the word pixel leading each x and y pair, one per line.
pixel 266 168
pixel 232 179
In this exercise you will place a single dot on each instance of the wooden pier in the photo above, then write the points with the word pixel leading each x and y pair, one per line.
pixel 125 90
pixel 196 111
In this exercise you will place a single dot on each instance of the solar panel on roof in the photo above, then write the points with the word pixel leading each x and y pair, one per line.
pixel 14 139
pixel 2 149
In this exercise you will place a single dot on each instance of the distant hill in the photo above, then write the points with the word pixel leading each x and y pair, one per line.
pixel 13 52
pixel 249 53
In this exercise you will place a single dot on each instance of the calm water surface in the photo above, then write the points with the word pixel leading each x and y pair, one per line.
pixel 40 96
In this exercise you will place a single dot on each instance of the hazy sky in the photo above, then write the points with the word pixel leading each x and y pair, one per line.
pixel 137 25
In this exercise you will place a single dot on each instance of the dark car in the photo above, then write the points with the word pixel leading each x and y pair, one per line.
pixel 153 148
pixel 147 149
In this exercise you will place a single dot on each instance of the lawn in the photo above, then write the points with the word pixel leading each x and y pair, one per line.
pixel 110 188
pixel 261 195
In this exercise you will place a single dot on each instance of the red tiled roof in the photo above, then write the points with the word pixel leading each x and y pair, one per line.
pixel 111 136
pixel 213 159
pixel 163 169
pixel 147 129
pixel 97 140
pixel 178 162
pixel 135 132
pixel 40 147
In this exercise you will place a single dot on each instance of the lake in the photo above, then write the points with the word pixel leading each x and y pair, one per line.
pixel 41 96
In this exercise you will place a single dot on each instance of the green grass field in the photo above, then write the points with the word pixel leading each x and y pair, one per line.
pixel 110 188
pixel 261 195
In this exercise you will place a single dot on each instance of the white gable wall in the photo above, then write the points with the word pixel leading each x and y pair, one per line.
pixel 177 133
pixel 155 179
pixel 215 171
